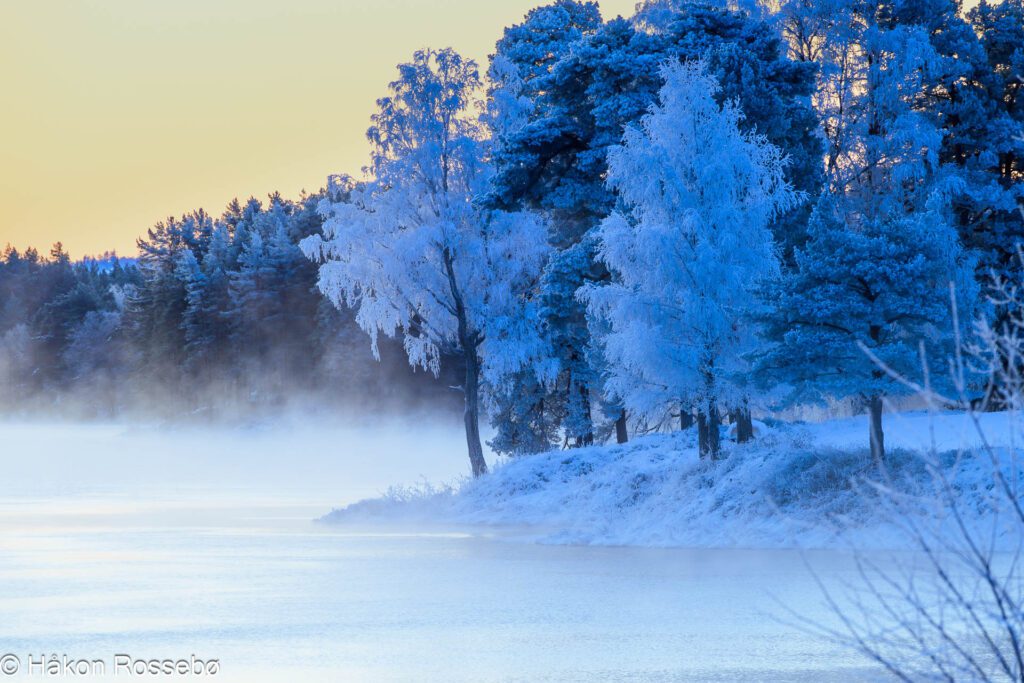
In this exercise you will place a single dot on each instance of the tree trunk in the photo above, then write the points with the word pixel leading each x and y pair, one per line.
pixel 714 433
pixel 744 424
pixel 586 439
pixel 472 414
pixel 621 431
pixel 708 437
pixel 702 434
pixel 877 436
pixel 685 419
pixel 469 342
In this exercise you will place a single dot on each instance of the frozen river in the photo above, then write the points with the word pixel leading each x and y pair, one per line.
pixel 163 545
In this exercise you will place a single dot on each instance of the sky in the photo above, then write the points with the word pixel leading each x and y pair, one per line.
pixel 119 113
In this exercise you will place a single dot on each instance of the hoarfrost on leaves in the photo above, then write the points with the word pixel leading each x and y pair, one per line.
pixel 687 247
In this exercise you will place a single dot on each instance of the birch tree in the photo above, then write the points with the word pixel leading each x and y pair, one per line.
pixel 412 252
pixel 688 244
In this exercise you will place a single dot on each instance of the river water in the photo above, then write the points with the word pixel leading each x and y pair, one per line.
pixel 161 545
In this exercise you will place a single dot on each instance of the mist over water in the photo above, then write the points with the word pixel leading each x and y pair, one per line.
pixel 167 542
pixel 324 461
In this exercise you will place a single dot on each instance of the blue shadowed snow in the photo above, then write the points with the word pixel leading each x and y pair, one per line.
pixel 795 486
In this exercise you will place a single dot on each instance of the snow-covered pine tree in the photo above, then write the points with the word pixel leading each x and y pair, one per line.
pixel 882 250
pixel 526 54
pixel 689 244
pixel 413 252
pixel 1001 26
pixel 965 93
pixel 156 309
pixel 530 412
pixel 295 321
pixel 204 321
pixel 992 206
pixel 250 295
pixel 271 313
pixel 190 273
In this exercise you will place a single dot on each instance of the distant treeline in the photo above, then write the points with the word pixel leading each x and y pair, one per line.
pixel 216 317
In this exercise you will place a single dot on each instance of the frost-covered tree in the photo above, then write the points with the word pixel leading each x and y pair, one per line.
pixel 530 414
pixel 413 252
pixel 991 206
pixel 207 296
pixel 882 251
pixel 524 57
pixel 956 88
pixel 964 68
pixel 270 312
pixel 687 247
pixel 155 311
pixel 655 15
pixel 966 93
pixel 1001 26
pixel 251 294
pixel 94 359
pixel 880 288
pixel 606 79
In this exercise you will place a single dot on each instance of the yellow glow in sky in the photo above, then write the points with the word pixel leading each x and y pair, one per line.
pixel 118 113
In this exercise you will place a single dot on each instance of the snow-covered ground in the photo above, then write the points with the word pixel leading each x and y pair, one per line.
pixel 795 486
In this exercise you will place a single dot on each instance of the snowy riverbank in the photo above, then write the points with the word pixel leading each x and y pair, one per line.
pixel 797 485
